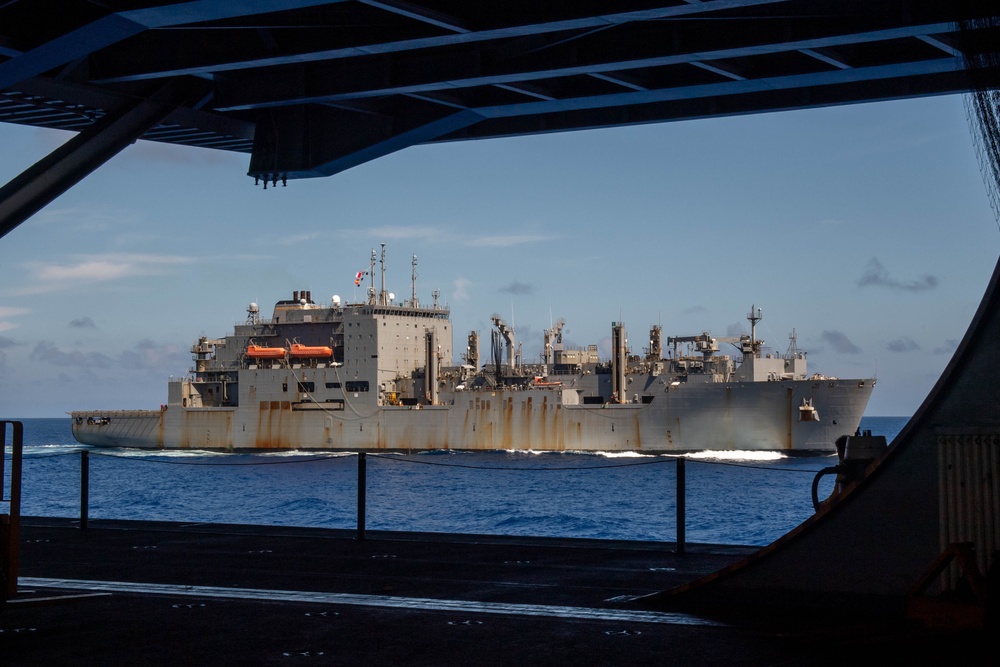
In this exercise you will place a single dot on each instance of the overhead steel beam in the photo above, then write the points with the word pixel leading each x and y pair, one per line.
pixel 333 85
pixel 286 156
pixel 737 102
pixel 102 98
pixel 76 44
pixel 418 13
pixel 115 28
pixel 66 166
pixel 285 147
pixel 126 71
pixel 726 88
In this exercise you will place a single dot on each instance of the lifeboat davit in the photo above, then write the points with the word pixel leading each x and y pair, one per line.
pixel 311 351
pixel 264 352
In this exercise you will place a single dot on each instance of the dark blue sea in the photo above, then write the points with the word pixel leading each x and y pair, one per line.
pixel 737 498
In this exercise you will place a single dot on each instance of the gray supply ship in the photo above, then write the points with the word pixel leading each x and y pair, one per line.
pixel 378 375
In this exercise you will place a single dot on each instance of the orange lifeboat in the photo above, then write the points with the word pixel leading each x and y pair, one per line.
pixel 264 352
pixel 311 351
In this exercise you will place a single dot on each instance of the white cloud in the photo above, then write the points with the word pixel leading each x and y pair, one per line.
pixel 460 287
pixel 50 276
pixel 145 355
pixel 507 240
pixel 303 237
pixel 383 233
pixel 90 271
pixel 89 218
pixel 404 232
pixel 8 312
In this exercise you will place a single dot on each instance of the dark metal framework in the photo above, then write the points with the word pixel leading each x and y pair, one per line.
pixel 314 87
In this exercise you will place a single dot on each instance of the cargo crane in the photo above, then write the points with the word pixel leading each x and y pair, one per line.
pixel 552 338
pixel 507 332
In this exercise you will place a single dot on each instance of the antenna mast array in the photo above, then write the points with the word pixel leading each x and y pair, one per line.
pixel 413 294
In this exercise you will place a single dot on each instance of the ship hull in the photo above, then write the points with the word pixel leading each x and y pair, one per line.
pixel 711 416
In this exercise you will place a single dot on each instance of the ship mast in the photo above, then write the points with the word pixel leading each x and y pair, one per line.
pixel 371 276
pixel 793 345
pixel 382 295
pixel 413 294
pixel 754 319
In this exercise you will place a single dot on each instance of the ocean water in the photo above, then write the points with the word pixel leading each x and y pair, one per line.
pixel 747 498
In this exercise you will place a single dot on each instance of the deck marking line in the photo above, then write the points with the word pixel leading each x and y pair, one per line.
pixel 423 604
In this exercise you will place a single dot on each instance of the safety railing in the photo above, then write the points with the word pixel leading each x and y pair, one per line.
pixel 362 457
pixel 678 512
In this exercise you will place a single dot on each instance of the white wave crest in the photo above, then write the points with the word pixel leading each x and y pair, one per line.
pixel 580 452
pixel 736 455
pixel 302 453
pixel 125 452
pixel 46 450
pixel 626 455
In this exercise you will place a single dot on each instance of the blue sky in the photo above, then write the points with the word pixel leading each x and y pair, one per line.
pixel 866 228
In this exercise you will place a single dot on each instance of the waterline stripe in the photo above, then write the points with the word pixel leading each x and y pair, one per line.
pixel 421 604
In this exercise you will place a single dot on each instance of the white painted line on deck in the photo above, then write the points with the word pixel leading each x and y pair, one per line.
pixel 416 604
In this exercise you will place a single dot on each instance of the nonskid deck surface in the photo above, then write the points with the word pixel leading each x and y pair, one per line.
pixel 166 593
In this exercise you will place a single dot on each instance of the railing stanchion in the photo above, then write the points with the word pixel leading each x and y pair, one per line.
pixel 362 465
pixel 84 487
pixel 681 508
pixel 10 524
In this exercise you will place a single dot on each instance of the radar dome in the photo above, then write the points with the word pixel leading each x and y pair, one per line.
pixel 392 297
pixel 335 299
pixel 253 308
